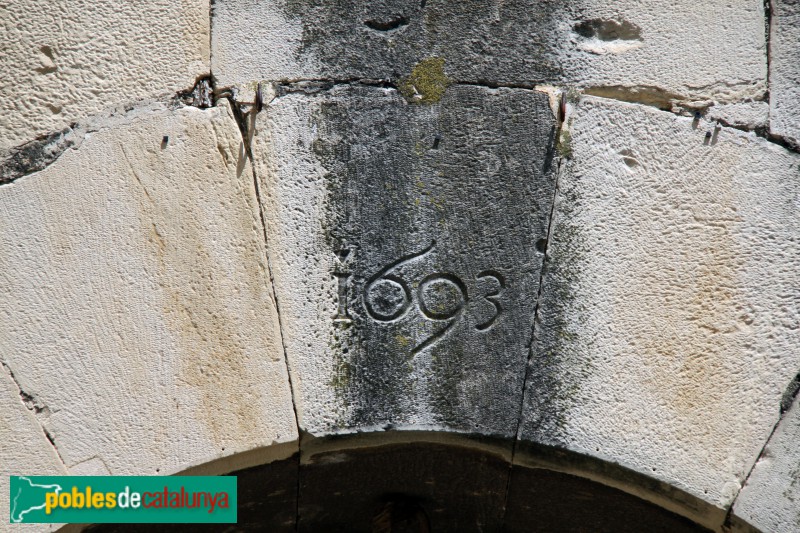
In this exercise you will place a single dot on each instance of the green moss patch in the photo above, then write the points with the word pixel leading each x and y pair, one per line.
pixel 427 82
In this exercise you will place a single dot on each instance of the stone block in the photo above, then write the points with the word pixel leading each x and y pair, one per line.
pixel 24 450
pixel 65 59
pixel 668 320
pixel 784 70
pixel 406 248
pixel 769 499
pixel 136 306
pixel 646 49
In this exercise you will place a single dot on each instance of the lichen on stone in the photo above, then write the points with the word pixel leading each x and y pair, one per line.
pixel 564 146
pixel 427 82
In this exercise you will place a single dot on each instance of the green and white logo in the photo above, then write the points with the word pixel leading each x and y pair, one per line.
pixel 122 499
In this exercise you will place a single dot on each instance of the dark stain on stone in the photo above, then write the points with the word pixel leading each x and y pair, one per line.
pixel 509 43
pixel 608 30
pixel 790 394
pixel 555 372
pixel 35 155
pixel 460 253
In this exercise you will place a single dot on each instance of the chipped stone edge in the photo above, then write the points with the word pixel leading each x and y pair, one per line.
pixel 39 153
pixel 31 404
pixel 789 395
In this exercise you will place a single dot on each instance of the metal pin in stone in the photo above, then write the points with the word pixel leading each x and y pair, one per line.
pixel 259 98
pixel 696 121
pixel 164 141
pixel 562 108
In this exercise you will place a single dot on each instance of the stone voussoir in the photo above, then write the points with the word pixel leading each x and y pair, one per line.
pixel 425 326
pixel 769 499
pixel 136 298
pixel 667 331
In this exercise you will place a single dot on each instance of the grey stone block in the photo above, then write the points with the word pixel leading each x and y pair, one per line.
pixel 403 243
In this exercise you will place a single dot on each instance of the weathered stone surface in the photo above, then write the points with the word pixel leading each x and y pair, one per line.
pixel 648 44
pixel 748 115
pixel 24 449
pixel 770 500
pixel 404 249
pixel 784 71
pixel 135 299
pixel 668 319
pixel 65 59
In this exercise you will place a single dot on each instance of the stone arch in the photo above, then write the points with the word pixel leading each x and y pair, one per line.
pixel 444 482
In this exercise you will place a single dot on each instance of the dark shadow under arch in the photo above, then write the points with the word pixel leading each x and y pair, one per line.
pixel 425 481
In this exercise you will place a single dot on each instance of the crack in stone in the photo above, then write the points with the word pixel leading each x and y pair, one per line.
pixel 787 399
pixel 246 130
pixel 36 155
pixel 768 11
pixel 543 248
pixel 317 85
pixel 764 133
pixel 761 132
pixel 41 152
pixel 38 409
pixel 672 103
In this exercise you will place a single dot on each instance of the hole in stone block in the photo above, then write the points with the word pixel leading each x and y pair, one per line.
pixel 387 25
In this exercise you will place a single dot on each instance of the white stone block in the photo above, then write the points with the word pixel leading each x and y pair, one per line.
pixel 784 75
pixel 668 318
pixel 135 301
pixel 24 449
pixel 65 59
pixel 769 499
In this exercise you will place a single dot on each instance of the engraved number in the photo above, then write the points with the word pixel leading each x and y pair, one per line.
pixel 386 296
pixel 492 297
pixel 441 297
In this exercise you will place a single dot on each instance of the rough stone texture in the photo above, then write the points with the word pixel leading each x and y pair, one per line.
pixel 675 47
pixel 784 73
pixel 64 59
pixel 747 115
pixel 770 500
pixel 24 448
pixel 403 240
pixel 668 320
pixel 135 304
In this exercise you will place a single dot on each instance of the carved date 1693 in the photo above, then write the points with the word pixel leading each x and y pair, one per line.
pixel 441 297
